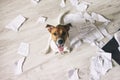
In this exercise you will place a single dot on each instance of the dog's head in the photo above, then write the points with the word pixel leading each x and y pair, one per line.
pixel 59 34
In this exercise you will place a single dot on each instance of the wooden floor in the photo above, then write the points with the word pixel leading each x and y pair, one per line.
pixel 48 67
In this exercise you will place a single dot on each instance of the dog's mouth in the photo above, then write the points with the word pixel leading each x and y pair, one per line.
pixel 60 44
pixel 61 47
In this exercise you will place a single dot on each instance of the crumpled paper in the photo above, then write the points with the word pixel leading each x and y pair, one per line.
pixel 98 44
pixel 23 49
pixel 96 17
pixel 82 6
pixel 41 19
pixel 73 74
pixel 16 23
pixel 100 64
pixel 103 30
pixel 82 29
pixel 99 18
pixel 88 17
pixel 84 25
pixel 95 35
pixel 35 1
pixel 74 2
pixel 19 66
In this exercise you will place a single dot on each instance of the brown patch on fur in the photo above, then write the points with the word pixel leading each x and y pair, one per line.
pixel 61 31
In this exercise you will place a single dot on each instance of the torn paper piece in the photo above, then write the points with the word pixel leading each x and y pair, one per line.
pixel 82 7
pixel 105 32
pixel 87 32
pixel 84 2
pixel 35 1
pixel 85 29
pixel 41 19
pixel 92 36
pixel 98 44
pixel 100 64
pixel 23 49
pixel 117 37
pixel 77 20
pixel 62 4
pixel 97 35
pixel 94 70
pixel 19 66
pixel 106 61
pixel 73 74
pixel 74 2
pixel 16 23
pixel 99 18
pixel 88 17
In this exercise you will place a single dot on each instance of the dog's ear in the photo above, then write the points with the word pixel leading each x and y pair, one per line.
pixel 67 26
pixel 49 27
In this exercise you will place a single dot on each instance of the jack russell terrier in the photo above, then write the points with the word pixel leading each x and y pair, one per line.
pixel 59 39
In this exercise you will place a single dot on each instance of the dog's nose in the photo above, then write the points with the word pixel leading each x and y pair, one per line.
pixel 60 41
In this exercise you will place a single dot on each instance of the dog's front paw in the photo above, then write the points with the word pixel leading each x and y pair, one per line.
pixel 67 50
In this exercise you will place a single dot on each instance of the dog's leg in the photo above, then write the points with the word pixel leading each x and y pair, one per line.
pixel 47 49
pixel 67 46
pixel 67 50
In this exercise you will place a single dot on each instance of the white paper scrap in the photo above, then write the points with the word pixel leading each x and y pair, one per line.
pixel 82 7
pixel 98 44
pixel 98 35
pixel 62 4
pixel 23 49
pixel 99 18
pixel 41 19
pixel 95 35
pixel 35 1
pixel 105 32
pixel 19 66
pixel 16 23
pixel 100 64
pixel 73 74
pixel 88 17
pixel 74 2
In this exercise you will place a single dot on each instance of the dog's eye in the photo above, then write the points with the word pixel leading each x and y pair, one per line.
pixel 55 34
pixel 63 33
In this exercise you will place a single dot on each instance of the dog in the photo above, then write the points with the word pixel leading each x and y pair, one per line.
pixel 59 38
